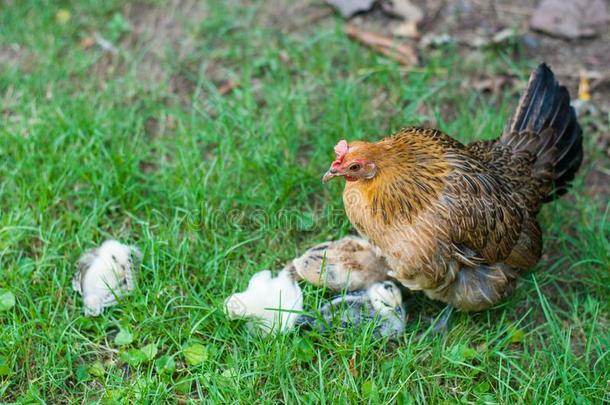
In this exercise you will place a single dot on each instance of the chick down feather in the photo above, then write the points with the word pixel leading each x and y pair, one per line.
pixel 105 274
pixel 269 304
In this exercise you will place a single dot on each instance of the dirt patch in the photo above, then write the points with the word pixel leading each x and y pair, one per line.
pixel 294 16
pixel 10 54
pixel 159 39
pixel 470 23
pixel 158 33
pixel 14 55
pixel 597 182
pixel 597 159
pixel 107 66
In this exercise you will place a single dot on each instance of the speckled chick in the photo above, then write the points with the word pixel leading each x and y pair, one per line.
pixel 350 263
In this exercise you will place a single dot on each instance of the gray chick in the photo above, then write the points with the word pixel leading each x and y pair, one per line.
pixel 380 304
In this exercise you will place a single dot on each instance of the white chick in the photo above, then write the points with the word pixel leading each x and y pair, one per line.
pixel 350 263
pixel 268 303
pixel 104 274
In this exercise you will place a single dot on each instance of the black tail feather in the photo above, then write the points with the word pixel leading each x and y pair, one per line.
pixel 545 125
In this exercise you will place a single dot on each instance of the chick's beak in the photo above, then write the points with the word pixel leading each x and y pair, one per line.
pixel 330 174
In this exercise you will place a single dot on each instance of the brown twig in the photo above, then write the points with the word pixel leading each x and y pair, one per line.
pixel 403 53
pixel 226 87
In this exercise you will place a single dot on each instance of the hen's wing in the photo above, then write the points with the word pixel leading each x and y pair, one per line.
pixel 484 208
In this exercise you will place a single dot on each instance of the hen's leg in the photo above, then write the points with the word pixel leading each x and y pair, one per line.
pixel 440 325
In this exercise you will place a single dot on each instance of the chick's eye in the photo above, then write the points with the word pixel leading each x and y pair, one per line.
pixel 354 167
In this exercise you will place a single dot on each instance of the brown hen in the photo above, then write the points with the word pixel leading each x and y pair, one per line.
pixel 459 221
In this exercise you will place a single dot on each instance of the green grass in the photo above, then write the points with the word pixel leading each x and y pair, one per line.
pixel 215 188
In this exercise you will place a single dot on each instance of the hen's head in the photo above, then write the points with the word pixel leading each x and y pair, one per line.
pixel 355 161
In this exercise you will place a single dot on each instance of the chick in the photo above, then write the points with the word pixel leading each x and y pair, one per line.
pixel 350 263
pixel 380 304
pixel 104 274
pixel 268 303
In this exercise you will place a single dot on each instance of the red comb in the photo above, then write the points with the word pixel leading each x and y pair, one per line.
pixel 341 149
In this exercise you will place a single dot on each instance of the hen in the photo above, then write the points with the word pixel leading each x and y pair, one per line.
pixel 459 221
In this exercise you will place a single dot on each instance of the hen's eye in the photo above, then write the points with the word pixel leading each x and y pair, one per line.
pixel 354 167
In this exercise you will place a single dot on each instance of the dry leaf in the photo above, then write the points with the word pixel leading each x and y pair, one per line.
pixel 226 87
pixel 584 92
pixel 570 19
pixel 347 8
pixel 352 366
pixel 87 42
pixel 403 53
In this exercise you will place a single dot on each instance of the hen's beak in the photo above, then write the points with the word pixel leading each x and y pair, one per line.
pixel 329 175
